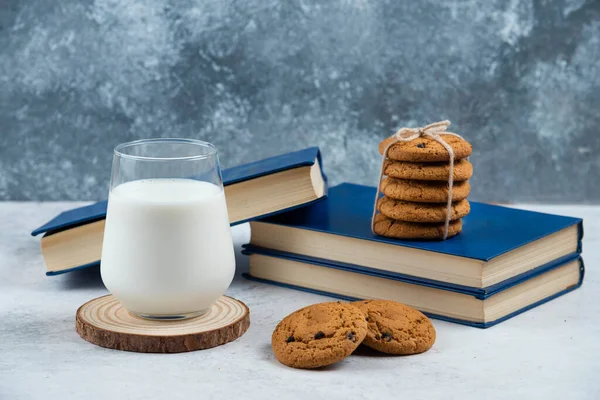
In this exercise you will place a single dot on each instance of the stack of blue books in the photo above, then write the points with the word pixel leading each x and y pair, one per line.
pixel 504 262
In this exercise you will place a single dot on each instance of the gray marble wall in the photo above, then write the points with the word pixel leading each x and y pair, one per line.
pixel 519 78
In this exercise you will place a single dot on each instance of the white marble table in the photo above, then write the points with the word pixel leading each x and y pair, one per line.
pixel 551 352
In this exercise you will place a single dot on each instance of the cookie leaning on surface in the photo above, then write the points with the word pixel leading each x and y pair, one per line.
pixel 463 170
pixel 395 328
pixel 421 212
pixel 423 191
pixel 318 335
pixel 385 226
pixel 425 149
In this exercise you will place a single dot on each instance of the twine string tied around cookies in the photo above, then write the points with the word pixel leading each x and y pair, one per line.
pixel 432 131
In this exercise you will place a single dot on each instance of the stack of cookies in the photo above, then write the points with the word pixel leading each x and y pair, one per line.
pixel 415 188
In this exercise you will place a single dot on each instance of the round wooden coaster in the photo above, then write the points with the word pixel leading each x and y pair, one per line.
pixel 105 322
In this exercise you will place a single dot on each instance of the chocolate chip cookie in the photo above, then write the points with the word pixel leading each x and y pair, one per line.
pixel 388 227
pixel 425 149
pixel 395 328
pixel 421 212
pixel 463 170
pixel 319 335
pixel 423 191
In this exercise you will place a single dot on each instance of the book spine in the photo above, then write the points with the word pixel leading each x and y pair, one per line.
pixel 581 271
pixel 580 238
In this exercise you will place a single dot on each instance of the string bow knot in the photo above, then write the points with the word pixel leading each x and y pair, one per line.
pixel 433 131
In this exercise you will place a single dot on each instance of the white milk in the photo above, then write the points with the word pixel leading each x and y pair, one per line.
pixel 167 246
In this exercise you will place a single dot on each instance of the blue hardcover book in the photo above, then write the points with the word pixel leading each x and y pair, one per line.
pixel 497 244
pixel 73 239
pixel 460 305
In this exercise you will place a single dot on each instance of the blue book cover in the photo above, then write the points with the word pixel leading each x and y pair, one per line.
pixel 462 290
pixel 489 231
pixel 97 211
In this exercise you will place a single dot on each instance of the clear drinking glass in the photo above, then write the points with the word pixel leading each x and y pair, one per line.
pixel 167 250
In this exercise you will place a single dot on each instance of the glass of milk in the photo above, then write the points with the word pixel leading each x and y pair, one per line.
pixel 167 251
